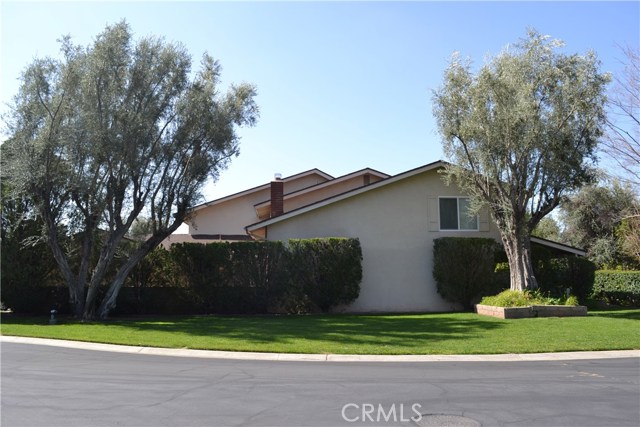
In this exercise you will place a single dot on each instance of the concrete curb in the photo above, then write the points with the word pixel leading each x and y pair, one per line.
pixel 233 355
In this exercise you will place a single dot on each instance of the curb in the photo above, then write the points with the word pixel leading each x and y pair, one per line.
pixel 235 355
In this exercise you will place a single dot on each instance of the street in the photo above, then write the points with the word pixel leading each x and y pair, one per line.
pixel 53 386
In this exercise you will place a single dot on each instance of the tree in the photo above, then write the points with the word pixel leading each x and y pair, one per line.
pixel 110 132
pixel 622 142
pixel 597 217
pixel 521 133
pixel 629 237
pixel 141 228
pixel 547 228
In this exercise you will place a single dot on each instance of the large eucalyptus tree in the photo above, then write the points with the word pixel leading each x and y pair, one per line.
pixel 111 131
pixel 521 133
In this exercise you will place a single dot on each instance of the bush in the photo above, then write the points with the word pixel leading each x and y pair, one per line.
pixel 245 277
pixel 30 279
pixel 511 298
pixel 556 275
pixel 572 301
pixel 328 271
pixel 464 268
pixel 617 287
pixel 239 277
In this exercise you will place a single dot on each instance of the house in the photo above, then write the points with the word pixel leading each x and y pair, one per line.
pixel 225 219
pixel 396 218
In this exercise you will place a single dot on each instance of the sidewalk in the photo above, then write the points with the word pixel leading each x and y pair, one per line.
pixel 208 354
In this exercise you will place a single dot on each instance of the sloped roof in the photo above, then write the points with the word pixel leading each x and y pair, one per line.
pixel 326 184
pixel 346 195
pixel 558 246
pixel 262 187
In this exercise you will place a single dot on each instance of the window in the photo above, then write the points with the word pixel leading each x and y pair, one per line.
pixel 455 214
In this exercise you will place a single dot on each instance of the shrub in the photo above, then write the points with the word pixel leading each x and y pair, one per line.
pixel 511 298
pixel 464 268
pixel 245 277
pixel 328 271
pixel 30 280
pixel 508 298
pixel 617 287
pixel 556 275
pixel 572 301
pixel 239 277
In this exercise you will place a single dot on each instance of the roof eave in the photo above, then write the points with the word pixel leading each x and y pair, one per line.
pixel 260 187
pixel 559 246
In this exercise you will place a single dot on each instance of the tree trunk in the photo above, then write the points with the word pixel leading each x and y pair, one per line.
pixel 109 300
pixel 76 289
pixel 518 249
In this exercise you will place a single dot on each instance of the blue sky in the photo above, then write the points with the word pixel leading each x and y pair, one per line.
pixel 342 85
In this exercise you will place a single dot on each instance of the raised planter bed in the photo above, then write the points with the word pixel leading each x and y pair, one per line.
pixel 531 311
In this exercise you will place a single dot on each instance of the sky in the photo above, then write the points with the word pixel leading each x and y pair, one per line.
pixel 341 85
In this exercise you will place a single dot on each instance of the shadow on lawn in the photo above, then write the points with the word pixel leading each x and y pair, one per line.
pixel 631 314
pixel 342 330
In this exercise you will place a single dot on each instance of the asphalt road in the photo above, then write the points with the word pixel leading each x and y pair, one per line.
pixel 54 386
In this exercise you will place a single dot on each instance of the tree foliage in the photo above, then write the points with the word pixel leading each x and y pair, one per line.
pixel 600 218
pixel 547 228
pixel 112 131
pixel 521 133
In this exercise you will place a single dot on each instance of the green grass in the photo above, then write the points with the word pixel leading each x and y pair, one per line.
pixel 448 333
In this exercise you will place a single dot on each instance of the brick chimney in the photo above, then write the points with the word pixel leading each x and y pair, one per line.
pixel 277 196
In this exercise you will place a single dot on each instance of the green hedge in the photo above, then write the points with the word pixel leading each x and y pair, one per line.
pixel 217 278
pixel 464 268
pixel 617 287
pixel 460 280
pixel 556 275
pixel 327 271
pixel 245 278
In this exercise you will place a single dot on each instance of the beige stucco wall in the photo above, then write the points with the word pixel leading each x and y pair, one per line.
pixel 393 225
pixel 228 217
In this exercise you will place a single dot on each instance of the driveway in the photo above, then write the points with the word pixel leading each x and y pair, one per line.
pixel 54 386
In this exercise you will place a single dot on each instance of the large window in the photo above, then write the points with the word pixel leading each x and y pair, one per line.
pixel 455 214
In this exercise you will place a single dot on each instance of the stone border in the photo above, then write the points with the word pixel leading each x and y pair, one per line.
pixel 531 311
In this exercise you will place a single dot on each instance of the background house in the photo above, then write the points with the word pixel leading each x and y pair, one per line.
pixel 225 219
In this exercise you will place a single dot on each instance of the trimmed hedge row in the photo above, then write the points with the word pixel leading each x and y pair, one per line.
pixel 304 276
pixel 556 275
pixel 327 271
pixel 617 287
pixel 245 278
pixel 466 269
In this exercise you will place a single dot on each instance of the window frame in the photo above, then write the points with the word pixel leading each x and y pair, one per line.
pixel 457 198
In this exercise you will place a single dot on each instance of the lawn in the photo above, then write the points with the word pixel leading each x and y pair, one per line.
pixel 441 333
